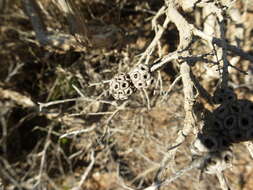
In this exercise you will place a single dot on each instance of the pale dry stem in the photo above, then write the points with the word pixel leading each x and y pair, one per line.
pixel 43 160
pixel 223 181
pixel 44 105
pixel 249 146
pixel 185 72
pixel 150 49
pixel 233 49
pixel 77 132
pixel 194 164
pixel 87 171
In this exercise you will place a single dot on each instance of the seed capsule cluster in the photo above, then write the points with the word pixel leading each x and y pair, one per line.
pixel 125 84
pixel 141 76
pixel 121 87
pixel 236 118
pixel 230 123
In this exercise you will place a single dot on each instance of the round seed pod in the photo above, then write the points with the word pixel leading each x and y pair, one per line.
pixel 121 87
pixel 222 95
pixel 143 68
pixel 141 76
pixel 221 112
pixel 236 107
pixel 245 122
pixel 230 122
pixel 217 124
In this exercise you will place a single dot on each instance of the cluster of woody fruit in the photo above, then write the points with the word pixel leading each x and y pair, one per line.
pixel 124 85
pixel 231 122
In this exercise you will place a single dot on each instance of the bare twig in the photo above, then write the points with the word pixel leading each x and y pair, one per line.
pixel 219 43
pixel 147 98
pixel 249 146
pixel 13 70
pixel 119 108
pixel 164 60
pixel 43 159
pixel 224 82
pixel 172 86
pixel 77 132
pixel 87 171
pixel 157 37
pixel 195 164
pixel 185 72
pixel 43 105
pixel 202 91
pixel 223 181
pixel 78 91
pixel 99 83
pixel 204 36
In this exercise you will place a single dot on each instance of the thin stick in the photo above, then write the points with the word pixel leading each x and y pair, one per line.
pixel 99 83
pixel 13 70
pixel 43 158
pixel 196 163
pixel 149 50
pixel 42 105
pixel 147 98
pixel 77 132
pixel 119 108
pixel 223 181
pixel 225 74
pixel 101 113
pixel 78 91
pixel 177 79
pixel 249 146
pixel 219 43
pixel 164 60
pixel 87 171
pixel 188 86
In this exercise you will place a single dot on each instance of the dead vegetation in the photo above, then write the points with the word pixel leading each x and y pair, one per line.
pixel 123 94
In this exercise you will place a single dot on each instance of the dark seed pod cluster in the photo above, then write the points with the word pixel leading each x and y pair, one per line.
pixel 121 87
pixel 230 123
pixel 141 76
pixel 237 119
